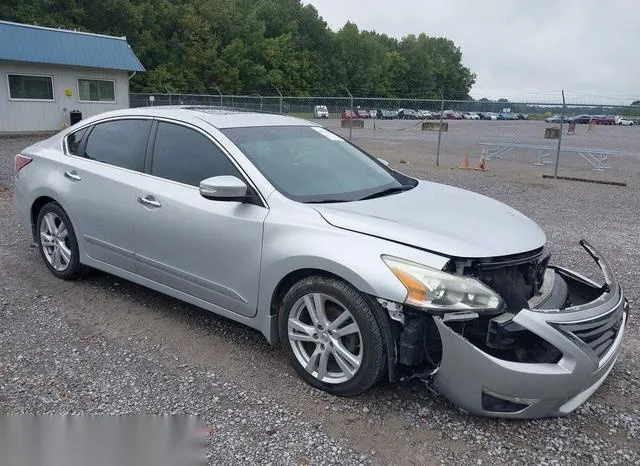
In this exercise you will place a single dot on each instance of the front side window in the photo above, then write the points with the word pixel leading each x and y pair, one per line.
pixel 186 156
pixel 121 143
pixel 27 87
pixel 311 164
pixel 95 90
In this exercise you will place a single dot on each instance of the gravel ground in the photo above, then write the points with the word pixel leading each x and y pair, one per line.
pixel 401 139
pixel 105 346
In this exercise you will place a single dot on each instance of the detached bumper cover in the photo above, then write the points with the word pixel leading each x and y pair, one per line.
pixel 467 374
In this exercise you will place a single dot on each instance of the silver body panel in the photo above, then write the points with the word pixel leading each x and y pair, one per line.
pixel 548 389
pixel 441 218
pixel 230 257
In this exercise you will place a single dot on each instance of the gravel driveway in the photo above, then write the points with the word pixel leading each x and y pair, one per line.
pixel 105 346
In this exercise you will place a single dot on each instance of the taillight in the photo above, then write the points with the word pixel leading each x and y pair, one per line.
pixel 19 162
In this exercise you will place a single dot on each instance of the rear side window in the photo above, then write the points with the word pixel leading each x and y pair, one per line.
pixel 74 140
pixel 121 143
pixel 184 155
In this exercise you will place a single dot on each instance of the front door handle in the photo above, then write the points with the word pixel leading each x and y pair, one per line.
pixel 72 175
pixel 149 201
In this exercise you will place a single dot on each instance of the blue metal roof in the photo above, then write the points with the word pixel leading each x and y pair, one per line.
pixel 26 43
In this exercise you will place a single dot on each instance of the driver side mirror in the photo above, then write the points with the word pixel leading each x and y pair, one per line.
pixel 224 188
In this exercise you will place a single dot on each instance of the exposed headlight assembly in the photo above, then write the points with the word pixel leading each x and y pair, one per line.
pixel 435 290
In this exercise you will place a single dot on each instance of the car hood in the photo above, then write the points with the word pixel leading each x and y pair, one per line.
pixel 442 219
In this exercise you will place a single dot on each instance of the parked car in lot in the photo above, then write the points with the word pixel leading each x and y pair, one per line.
pixel 362 113
pixel 580 119
pixel 506 116
pixel 623 121
pixel 282 225
pixel 423 114
pixel 557 119
pixel 471 116
pixel 521 116
pixel 320 111
pixel 451 115
pixel 384 114
pixel 348 114
pixel 488 116
pixel 603 120
pixel 407 114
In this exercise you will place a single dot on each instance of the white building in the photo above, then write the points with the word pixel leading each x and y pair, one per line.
pixel 46 74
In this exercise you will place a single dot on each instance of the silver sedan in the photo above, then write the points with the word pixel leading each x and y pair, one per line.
pixel 359 271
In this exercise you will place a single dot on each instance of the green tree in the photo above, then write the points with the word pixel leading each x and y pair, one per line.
pixel 248 46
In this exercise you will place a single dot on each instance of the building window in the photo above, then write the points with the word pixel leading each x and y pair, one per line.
pixel 96 90
pixel 27 87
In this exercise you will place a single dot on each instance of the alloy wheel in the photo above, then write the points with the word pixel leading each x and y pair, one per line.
pixel 55 241
pixel 325 338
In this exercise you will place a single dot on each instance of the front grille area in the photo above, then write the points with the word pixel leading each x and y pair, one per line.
pixel 599 333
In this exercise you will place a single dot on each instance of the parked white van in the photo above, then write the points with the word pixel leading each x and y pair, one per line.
pixel 320 111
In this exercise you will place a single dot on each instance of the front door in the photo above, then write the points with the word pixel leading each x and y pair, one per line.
pixel 208 249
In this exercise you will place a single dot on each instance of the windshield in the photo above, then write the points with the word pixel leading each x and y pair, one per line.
pixel 312 164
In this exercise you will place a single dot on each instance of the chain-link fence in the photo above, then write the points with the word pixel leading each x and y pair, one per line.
pixel 570 138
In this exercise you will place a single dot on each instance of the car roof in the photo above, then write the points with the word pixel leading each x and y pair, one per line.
pixel 217 117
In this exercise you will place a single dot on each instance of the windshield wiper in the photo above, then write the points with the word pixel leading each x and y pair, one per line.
pixel 388 191
pixel 325 201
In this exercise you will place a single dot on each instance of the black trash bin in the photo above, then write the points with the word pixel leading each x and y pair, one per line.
pixel 75 116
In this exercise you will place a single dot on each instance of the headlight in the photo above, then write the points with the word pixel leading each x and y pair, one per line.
pixel 440 291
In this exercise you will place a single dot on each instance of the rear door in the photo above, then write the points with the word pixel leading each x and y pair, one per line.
pixel 208 249
pixel 103 166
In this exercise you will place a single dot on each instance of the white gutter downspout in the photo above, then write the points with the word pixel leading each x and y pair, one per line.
pixel 134 73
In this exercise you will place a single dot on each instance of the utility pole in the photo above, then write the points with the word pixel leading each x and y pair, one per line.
pixel 564 107
pixel 440 128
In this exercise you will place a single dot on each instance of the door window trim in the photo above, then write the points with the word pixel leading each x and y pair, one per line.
pixel 151 144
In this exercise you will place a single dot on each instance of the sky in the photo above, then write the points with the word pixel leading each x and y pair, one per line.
pixel 522 50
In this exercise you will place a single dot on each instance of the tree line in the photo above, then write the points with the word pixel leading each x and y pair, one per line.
pixel 264 46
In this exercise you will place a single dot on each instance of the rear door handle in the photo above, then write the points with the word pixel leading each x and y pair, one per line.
pixel 149 201
pixel 72 175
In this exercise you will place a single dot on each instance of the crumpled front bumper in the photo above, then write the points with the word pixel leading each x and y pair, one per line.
pixel 469 377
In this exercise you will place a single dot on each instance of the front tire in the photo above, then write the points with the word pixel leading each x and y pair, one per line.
pixel 331 336
pixel 57 242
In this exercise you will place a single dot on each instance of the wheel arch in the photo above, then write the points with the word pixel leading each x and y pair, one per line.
pixel 36 206
pixel 291 279
pixel 285 274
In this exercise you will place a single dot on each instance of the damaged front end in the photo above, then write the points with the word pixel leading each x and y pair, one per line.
pixel 541 351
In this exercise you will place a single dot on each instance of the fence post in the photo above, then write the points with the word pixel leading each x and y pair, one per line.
pixel 350 116
pixel 280 94
pixel 564 106
pixel 440 129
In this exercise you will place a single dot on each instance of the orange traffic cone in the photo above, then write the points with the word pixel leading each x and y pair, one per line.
pixel 465 163
pixel 482 164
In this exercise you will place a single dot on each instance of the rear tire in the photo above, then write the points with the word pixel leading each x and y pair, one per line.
pixel 331 336
pixel 57 242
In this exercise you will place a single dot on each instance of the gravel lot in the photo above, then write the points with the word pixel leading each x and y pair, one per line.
pixel 105 346
pixel 402 139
